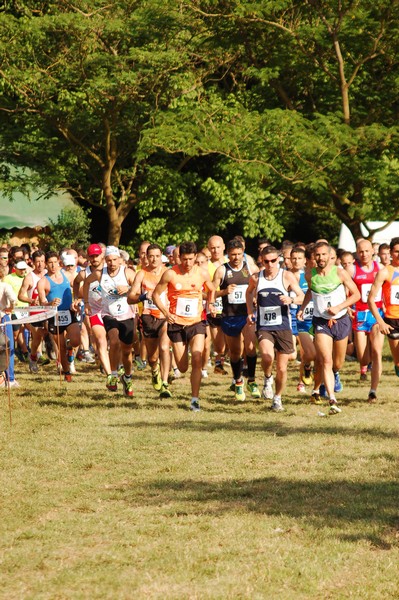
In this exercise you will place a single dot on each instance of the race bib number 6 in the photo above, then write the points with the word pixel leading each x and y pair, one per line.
pixel 187 307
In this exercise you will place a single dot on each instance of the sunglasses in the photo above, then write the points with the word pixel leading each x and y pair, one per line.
pixel 273 260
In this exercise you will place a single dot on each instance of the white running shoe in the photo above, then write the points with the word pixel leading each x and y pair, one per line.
pixel 267 392
pixel 277 405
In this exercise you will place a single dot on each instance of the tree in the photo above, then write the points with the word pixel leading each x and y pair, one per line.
pixel 70 230
pixel 197 112
pixel 80 83
pixel 312 113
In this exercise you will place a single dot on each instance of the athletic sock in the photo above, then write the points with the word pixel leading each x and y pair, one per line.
pixel 251 363
pixel 236 366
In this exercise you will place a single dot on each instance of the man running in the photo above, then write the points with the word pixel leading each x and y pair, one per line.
pixel 271 288
pixel 90 278
pixel 232 280
pixel 118 318
pixel 332 291
pixel 388 280
pixel 186 329
pixel 54 289
pixel 153 325
pixel 368 338
pixel 28 293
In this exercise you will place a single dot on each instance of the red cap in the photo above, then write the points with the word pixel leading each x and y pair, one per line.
pixel 94 250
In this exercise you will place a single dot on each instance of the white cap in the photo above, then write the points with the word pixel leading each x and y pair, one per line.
pixel 21 265
pixel 165 259
pixel 68 260
pixel 112 250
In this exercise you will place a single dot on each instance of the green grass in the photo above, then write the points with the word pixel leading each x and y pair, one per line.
pixel 108 497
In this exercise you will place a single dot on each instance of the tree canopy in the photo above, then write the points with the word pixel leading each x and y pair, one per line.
pixel 202 114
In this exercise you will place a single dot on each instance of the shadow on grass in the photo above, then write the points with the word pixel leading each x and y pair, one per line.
pixel 354 511
pixel 277 428
pixel 83 405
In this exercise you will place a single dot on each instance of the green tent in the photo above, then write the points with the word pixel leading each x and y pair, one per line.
pixel 36 211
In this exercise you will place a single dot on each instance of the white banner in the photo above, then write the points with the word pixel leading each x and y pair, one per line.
pixel 41 313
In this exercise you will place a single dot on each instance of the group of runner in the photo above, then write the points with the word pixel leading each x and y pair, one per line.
pixel 173 305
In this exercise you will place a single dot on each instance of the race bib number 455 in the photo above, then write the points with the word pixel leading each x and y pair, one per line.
pixel 63 318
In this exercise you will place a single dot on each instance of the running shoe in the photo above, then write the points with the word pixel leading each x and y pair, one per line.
pixel 239 393
pixel 307 377
pixel 315 398
pixel 195 406
pixel 204 373
pixel 334 408
pixel 127 386
pixel 338 387
pixel 140 364
pixel 323 391
pixel 43 361
pixel 219 369
pixel 156 380
pixel 121 371
pixel 363 377
pixel 33 365
pixel 72 368
pixel 4 382
pixel 372 399
pixel 267 392
pixel 397 370
pixel 88 358
pixel 252 387
pixel 67 377
pixel 301 388
pixel 165 391
pixel 277 405
pixel 232 385
pixel 112 383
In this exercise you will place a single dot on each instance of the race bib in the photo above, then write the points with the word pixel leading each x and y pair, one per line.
pixel 365 290
pixel 237 296
pixel 187 307
pixel 149 304
pixel 63 318
pixel 219 305
pixel 22 314
pixel 395 294
pixel 308 312
pixel 269 316
pixel 119 307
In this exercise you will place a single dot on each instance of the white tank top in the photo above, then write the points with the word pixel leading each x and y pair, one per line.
pixel 113 305
pixel 94 295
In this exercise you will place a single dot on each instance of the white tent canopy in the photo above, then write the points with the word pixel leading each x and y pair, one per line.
pixel 347 241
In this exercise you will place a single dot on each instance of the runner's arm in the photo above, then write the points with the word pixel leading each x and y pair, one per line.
pixel 381 276
pixel 156 295
pixel 135 296
pixel 25 287
pixel 249 297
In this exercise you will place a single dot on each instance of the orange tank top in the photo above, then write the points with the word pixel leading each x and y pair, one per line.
pixel 148 284
pixel 390 293
pixel 185 295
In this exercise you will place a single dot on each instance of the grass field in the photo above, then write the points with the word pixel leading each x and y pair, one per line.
pixel 108 497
